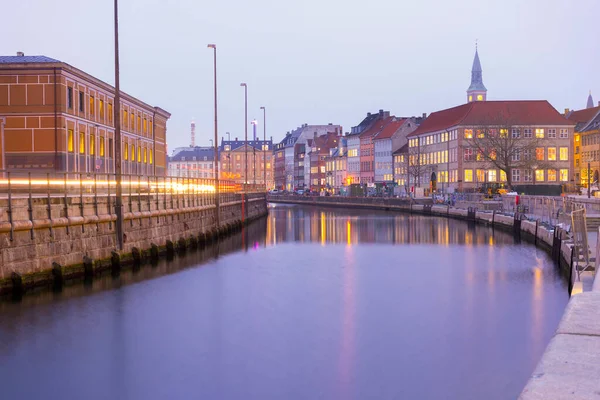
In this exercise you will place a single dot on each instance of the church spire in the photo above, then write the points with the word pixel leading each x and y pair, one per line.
pixel 590 102
pixel 476 91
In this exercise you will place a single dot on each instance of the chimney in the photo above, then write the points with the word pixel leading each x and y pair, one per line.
pixel 424 115
pixel 599 104
pixel 386 114
pixel 368 114
pixel 236 139
pixel 381 113
pixel 20 54
pixel 566 111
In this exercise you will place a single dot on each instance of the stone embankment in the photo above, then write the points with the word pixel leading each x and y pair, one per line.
pixel 570 366
pixel 49 240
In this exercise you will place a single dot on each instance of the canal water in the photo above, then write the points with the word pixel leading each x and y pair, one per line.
pixel 308 303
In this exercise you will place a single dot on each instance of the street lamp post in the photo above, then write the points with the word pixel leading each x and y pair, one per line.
pixel 589 179
pixel 254 123
pixel 264 144
pixel 245 135
pixel 118 145
pixel 216 154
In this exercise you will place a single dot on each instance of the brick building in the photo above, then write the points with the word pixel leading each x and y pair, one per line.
pixel 443 144
pixel 586 142
pixel 257 155
pixel 55 117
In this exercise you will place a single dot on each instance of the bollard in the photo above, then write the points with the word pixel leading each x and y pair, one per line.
pixel 88 267
pixel 137 255
pixel 115 262
pixel 17 284
pixel 193 242
pixel 201 239
pixel 170 249
pixel 181 245
pixel 154 253
pixel 57 274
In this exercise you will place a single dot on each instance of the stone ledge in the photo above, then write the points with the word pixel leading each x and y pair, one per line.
pixel 582 316
pixel 569 369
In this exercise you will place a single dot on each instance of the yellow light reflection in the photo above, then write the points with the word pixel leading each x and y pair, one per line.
pixel 349 233
pixel 323 229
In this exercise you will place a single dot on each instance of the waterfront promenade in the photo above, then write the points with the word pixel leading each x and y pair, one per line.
pixel 570 366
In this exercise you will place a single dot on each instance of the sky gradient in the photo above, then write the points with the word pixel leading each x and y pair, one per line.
pixel 315 61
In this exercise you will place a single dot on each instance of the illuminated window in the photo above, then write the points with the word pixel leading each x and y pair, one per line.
pixel 504 133
pixel 480 175
pixel 551 154
pixel 539 133
pixel 126 151
pixel 539 175
pixel 101 104
pixel 322 169
pixel 564 154
pixel 145 125
pixel 150 127
pixel 470 98
pixel 491 175
pixel 479 97
pixel 564 175
pixel 92 144
pixel 480 134
pixel 91 105
pixel 101 146
pixel 70 141
pixel 131 121
pixel 124 118
pixel 150 156
pixel 110 112
pixel 81 143
pixel 139 154
pixel 132 148
pixel 139 123
pixel 502 176
pixel 468 175
pixel 468 133
pixel 551 175
pixel 539 153
pixel 145 155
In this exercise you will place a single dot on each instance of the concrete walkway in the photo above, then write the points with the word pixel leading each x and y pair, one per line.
pixel 570 366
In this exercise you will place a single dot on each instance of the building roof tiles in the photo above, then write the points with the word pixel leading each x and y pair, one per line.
pixel 26 59
pixel 513 112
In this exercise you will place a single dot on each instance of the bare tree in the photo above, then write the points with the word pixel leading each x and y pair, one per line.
pixel 499 143
pixel 415 167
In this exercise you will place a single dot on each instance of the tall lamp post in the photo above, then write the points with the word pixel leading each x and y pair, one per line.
pixel 589 177
pixel 254 124
pixel 245 135
pixel 264 144
pixel 216 155
pixel 118 145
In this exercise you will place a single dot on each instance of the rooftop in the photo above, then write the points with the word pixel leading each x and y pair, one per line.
pixel 508 112
pixel 26 59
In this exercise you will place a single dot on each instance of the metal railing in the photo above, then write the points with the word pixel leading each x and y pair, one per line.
pixel 581 251
pixel 17 183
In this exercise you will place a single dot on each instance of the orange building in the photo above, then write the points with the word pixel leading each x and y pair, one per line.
pixel 54 117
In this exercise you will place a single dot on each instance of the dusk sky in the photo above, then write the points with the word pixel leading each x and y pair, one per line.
pixel 315 61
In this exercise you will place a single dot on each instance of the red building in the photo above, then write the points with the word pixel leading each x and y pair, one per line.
pixel 367 148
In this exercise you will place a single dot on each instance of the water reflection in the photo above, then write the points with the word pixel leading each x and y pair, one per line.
pixel 353 226
pixel 307 303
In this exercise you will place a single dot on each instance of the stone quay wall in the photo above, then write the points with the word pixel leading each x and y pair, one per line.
pixel 45 238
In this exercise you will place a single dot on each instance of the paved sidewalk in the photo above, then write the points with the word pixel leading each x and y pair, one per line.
pixel 570 366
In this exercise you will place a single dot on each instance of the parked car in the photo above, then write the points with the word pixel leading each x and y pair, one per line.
pixel 299 192
pixel 274 191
